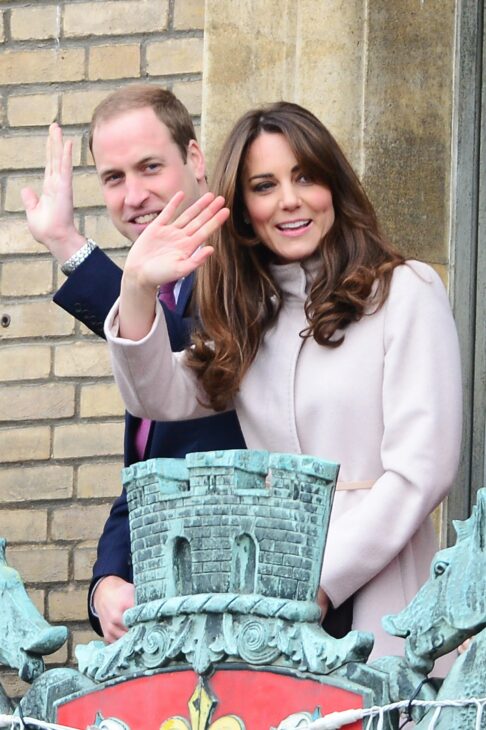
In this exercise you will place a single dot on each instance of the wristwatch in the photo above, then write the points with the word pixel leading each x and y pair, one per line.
pixel 77 258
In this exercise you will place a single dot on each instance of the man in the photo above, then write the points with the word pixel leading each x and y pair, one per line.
pixel 144 146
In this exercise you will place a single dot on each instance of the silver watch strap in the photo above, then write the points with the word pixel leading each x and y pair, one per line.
pixel 77 258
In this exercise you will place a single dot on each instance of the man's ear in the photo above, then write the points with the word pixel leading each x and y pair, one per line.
pixel 195 158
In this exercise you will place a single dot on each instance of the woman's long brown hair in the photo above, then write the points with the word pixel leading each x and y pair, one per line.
pixel 237 296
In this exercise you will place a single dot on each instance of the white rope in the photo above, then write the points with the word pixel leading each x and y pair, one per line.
pixel 15 721
pixel 336 720
pixel 479 714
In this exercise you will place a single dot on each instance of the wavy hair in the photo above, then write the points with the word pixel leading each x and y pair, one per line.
pixel 237 297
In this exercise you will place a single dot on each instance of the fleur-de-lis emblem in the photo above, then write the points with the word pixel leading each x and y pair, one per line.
pixel 201 706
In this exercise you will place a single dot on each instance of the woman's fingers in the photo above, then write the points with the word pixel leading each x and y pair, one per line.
pixel 167 215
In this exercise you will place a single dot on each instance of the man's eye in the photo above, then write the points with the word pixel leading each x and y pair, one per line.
pixel 153 167
pixel 111 179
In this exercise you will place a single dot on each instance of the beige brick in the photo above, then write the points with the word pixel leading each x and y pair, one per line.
pixel 15 237
pixel 15 183
pixel 25 152
pixel 84 522
pixel 21 278
pixel 175 56
pixel 24 444
pixel 86 189
pixel 67 604
pixel 2 31
pixel 101 399
pixel 39 319
pixel 82 636
pixel 88 439
pixel 24 362
pixel 189 15
pixel 23 525
pixel 82 360
pixel 60 657
pixel 12 684
pixel 190 93
pixel 99 480
pixel 102 230
pixel 33 402
pixel 38 598
pixel 31 110
pixel 35 23
pixel 28 484
pixel 41 66
pixel 113 62
pixel 84 558
pixel 45 564
pixel 78 106
pixel 115 18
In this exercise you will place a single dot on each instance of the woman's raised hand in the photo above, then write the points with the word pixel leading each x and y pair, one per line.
pixel 168 249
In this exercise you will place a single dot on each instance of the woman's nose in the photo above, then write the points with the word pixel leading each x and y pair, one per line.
pixel 290 198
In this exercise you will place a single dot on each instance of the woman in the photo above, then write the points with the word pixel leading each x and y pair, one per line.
pixel 325 340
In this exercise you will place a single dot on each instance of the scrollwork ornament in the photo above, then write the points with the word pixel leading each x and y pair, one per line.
pixel 254 642
pixel 155 646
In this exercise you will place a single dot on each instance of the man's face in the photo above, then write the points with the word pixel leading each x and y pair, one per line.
pixel 141 167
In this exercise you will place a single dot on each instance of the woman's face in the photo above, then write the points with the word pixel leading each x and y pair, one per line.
pixel 289 213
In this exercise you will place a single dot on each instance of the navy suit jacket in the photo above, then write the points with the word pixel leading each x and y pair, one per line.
pixel 88 294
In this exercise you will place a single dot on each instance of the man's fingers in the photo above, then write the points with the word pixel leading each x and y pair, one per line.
pixel 67 159
pixel 55 148
pixel 29 199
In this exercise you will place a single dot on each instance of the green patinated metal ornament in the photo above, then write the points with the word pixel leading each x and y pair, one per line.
pixel 25 636
pixel 227 550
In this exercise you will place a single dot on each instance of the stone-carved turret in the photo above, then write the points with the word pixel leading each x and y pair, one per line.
pixel 227 551
pixel 229 522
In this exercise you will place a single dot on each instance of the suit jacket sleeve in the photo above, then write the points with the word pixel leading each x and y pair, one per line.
pixel 88 294
pixel 92 289
pixel 114 552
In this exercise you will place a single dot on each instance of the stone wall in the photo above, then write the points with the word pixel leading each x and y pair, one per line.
pixel 60 415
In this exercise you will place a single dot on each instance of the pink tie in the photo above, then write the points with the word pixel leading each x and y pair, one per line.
pixel 166 295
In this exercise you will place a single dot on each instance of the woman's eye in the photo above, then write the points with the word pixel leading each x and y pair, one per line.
pixel 263 187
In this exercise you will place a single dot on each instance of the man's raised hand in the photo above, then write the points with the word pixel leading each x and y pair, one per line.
pixel 50 216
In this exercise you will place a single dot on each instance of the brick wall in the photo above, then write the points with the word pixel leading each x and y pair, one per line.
pixel 60 414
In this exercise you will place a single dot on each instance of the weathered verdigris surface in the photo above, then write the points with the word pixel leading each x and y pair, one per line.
pixel 449 608
pixel 227 551
pixel 25 636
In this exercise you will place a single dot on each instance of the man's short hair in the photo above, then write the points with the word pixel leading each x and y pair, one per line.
pixel 166 106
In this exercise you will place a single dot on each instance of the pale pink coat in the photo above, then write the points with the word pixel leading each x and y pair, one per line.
pixel 386 405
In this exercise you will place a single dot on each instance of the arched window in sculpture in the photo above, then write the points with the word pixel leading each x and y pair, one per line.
pixel 182 566
pixel 244 565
